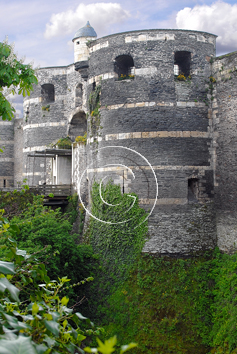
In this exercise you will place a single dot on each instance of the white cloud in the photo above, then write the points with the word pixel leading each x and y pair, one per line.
pixel 218 18
pixel 100 15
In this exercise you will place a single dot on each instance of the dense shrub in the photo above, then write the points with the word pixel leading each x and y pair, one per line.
pixel 47 229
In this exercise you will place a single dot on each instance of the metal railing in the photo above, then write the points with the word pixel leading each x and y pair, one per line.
pixel 58 190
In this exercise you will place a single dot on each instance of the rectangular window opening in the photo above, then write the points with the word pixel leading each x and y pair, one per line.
pixel 182 63
pixel 193 190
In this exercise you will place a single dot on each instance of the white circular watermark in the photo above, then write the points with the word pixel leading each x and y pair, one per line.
pixel 110 166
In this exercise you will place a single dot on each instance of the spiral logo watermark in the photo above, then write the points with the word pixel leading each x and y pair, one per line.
pixel 134 173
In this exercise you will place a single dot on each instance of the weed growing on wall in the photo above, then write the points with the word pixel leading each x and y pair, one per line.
pixel 94 108
pixel 81 139
pixel 63 143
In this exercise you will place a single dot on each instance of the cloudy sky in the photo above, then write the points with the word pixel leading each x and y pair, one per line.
pixel 43 29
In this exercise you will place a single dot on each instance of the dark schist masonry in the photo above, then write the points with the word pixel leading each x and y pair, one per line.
pixel 161 93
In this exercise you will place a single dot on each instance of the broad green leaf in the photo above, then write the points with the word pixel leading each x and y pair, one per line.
pixel 22 345
pixel 55 315
pixel 21 253
pixel 65 323
pixel 52 326
pixel 14 323
pixel 108 346
pixel 129 346
pixel 35 309
pixel 15 228
pixel 79 315
pixel 5 284
pixel 50 342
pixel 7 267
pixel 64 301
pixel 90 350
pixel 40 348
pixel 80 337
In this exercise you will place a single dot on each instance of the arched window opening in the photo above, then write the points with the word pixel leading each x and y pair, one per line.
pixel 182 62
pixel 78 94
pixel 124 66
pixel 47 93
pixel 78 126
pixel 193 190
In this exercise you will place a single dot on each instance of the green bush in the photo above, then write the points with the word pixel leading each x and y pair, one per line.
pixel 14 203
pixel 44 228
pixel 34 317
pixel 40 321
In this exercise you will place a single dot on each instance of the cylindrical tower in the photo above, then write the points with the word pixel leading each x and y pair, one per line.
pixel 152 88
pixel 45 120
pixel 224 109
pixel 80 40
pixel 7 156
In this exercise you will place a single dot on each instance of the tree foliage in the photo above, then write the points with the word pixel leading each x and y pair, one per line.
pixel 34 317
pixel 31 305
pixel 49 231
pixel 15 78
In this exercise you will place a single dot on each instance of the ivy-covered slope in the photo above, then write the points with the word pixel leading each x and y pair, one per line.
pixel 167 305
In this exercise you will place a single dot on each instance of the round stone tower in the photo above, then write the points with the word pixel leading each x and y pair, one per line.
pixel 152 87
pixel 7 155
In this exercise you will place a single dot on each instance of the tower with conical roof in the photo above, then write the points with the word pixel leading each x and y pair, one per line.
pixel 81 37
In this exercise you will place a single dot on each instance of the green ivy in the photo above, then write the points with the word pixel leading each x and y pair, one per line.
pixel 171 305
pixel 165 305
pixel 118 244
pixel 94 108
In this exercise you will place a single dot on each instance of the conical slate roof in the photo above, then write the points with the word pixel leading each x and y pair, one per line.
pixel 86 31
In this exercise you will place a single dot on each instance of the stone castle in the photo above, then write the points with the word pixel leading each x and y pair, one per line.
pixel 156 105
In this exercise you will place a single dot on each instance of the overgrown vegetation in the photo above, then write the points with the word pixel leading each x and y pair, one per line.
pixel 182 77
pixel 166 305
pixel 42 228
pixel 14 203
pixel 126 77
pixel 118 243
pixel 81 139
pixel 63 143
pixel 94 108
pixel 40 321
pixel 15 78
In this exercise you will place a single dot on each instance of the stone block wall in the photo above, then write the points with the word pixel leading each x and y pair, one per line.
pixel 47 120
pixel 166 121
pixel 7 156
pixel 152 127
pixel 224 108
pixel 18 152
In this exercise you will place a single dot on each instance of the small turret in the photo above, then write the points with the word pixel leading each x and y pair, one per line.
pixel 81 37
